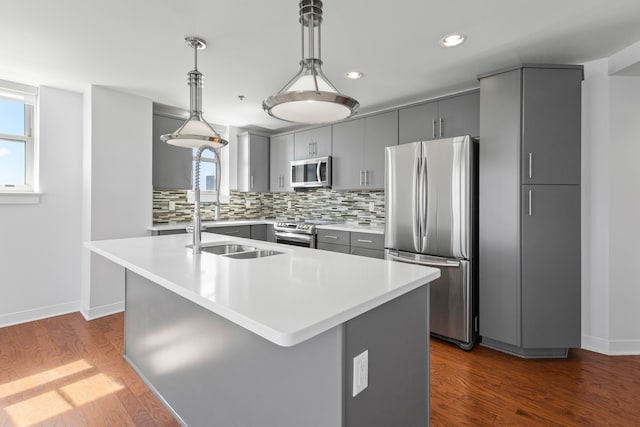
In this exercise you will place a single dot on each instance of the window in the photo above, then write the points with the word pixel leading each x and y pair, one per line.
pixel 208 173
pixel 17 137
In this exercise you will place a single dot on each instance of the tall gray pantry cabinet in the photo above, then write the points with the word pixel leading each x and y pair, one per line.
pixel 529 233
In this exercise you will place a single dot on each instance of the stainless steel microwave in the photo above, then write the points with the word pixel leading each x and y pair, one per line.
pixel 310 173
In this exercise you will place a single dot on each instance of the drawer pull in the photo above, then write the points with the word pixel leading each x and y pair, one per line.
pixel 331 237
pixel 365 241
pixel 231 232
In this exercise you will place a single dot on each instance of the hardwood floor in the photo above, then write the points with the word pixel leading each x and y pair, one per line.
pixel 65 371
pixel 487 388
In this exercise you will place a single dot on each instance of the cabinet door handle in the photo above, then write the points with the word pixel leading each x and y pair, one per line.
pixel 330 237
pixel 315 148
pixel 231 232
pixel 366 177
pixel 530 203
pixel 361 177
pixel 433 132
pixel 364 241
pixel 440 127
pixel 530 165
pixel 251 185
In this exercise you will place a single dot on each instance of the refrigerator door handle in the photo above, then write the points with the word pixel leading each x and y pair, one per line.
pixel 423 199
pixel 417 232
pixel 400 258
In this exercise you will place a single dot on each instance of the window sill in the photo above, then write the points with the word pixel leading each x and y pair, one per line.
pixel 19 198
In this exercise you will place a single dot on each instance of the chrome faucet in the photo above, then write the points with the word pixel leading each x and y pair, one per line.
pixel 197 230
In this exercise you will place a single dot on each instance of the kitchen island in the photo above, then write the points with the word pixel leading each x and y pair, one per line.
pixel 271 341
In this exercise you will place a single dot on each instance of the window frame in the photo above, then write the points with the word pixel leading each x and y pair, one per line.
pixel 28 95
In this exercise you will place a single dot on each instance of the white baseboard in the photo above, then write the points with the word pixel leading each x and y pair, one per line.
pixel 611 347
pixel 38 313
pixel 104 310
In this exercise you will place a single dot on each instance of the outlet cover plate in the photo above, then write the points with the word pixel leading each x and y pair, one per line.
pixel 360 372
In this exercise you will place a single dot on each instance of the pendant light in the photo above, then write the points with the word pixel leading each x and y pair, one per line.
pixel 310 97
pixel 195 132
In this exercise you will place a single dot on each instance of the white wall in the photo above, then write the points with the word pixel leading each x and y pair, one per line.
pixel 611 211
pixel 40 244
pixel 117 188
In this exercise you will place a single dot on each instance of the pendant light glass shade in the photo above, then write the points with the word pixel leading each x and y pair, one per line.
pixel 310 97
pixel 195 132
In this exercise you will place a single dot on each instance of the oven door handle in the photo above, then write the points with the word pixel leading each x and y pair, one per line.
pixel 295 237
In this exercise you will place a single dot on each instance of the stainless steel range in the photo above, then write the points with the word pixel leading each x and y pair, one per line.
pixel 298 233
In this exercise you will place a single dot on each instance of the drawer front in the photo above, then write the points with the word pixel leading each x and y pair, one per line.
pixel 332 247
pixel 367 240
pixel 235 231
pixel 333 236
pixel 371 253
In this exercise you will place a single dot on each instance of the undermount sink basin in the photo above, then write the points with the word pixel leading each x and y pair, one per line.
pixel 237 251
pixel 253 254
pixel 226 249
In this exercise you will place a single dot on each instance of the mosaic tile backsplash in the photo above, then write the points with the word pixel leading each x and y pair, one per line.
pixel 340 206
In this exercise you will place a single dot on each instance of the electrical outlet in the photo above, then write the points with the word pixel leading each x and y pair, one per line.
pixel 372 207
pixel 172 206
pixel 288 204
pixel 360 372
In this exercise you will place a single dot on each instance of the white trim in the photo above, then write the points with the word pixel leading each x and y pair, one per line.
pixel 38 313
pixel 611 347
pixel 19 198
pixel 104 310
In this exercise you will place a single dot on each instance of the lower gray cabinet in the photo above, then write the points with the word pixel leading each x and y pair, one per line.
pixel 232 230
pixel 344 249
pixel 259 232
pixel 354 243
pixel 550 266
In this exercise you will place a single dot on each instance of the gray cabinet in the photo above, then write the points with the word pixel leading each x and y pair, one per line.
pixel 281 149
pixel 232 230
pixel 529 234
pixel 354 243
pixel 550 145
pixel 550 268
pixel 259 232
pixel 312 143
pixel 172 166
pixel 358 151
pixel 253 162
pixel 448 117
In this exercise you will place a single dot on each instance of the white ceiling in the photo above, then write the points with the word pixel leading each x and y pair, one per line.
pixel 254 46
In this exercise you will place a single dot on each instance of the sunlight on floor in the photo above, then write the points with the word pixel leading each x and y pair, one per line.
pixel 90 389
pixel 37 409
pixel 24 384
pixel 34 410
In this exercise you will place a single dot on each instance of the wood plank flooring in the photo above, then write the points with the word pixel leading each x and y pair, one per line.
pixel 65 371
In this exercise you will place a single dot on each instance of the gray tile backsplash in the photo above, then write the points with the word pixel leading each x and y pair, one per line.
pixel 341 206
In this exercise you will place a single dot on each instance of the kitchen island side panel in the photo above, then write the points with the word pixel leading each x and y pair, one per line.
pixel 396 336
pixel 211 372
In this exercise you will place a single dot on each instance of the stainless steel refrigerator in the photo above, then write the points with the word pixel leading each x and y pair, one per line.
pixel 431 219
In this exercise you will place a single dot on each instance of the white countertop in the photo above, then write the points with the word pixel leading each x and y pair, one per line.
pixel 286 298
pixel 361 228
pixel 221 223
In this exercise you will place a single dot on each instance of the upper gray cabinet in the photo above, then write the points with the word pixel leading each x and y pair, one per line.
pixel 551 102
pixel 358 151
pixel 454 116
pixel 313 143
pixel 253 162
pixel 172 166
pixel 281 157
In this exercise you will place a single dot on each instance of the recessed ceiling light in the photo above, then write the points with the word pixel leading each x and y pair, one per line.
pixel 355 75
pixel 452 40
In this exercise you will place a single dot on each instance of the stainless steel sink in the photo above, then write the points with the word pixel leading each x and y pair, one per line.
pixel 237 251
pixel 225 249
pixel 253 254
